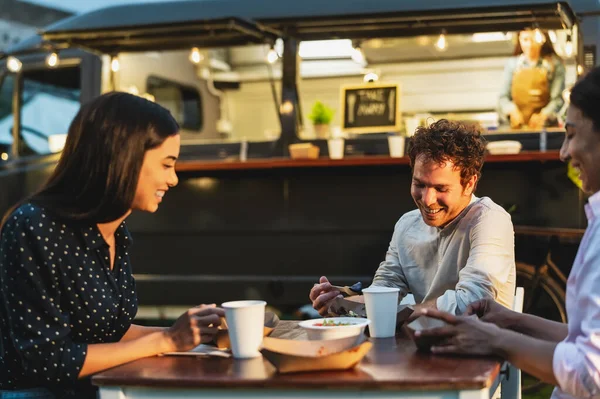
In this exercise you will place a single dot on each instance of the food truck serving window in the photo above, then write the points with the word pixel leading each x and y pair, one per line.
pixel 184 102
pixel 394 84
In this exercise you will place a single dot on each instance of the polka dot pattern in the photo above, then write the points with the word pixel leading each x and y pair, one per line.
pixel 58 294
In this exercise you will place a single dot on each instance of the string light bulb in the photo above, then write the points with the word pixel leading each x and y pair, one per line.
pixel 196 56
pixel 115 65
pixel 272 56
pixel 441 43
pixel 52 59
pixel 13 64
pixel 568 46
pixel 538 36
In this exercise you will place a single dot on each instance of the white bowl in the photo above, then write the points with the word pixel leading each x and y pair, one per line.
pixel 356 326
pixel 504 147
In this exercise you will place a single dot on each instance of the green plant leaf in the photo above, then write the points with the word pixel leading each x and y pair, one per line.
pixel 321 114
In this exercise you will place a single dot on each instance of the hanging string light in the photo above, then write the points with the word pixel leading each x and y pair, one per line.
pixel 441 43
pixel 538 36
pixel 568 46
pixel 52 59
pixel 115 65
pixel 196 56
pixel 272 56
pixel 13 64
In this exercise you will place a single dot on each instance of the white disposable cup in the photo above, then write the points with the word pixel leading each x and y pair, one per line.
pixel 252 369
pixel 382 306
pixel 396 145
pixel 336 148
pixel 245 322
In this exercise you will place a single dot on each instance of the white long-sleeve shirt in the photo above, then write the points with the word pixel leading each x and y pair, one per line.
pixel 469 259
pixel 576 361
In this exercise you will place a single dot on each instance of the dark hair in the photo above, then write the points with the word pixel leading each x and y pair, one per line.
pixel 585 95
pixel 97 174
pixel 547 49
pixel 446 140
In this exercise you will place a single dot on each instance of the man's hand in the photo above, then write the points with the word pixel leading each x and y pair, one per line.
pixel 491 312
pixel 321 294
pixel 462 335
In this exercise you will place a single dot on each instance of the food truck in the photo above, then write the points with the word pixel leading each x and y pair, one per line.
pixel 248 80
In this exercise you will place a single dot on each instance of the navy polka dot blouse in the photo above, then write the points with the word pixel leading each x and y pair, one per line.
pixel 57 295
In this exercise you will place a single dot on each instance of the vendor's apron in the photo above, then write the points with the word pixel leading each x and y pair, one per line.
pixel 530 91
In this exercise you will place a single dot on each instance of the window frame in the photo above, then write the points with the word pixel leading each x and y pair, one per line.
pixel 17 102
pixel 183 88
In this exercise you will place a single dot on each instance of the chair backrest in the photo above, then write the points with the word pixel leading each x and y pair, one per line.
pixel 518 302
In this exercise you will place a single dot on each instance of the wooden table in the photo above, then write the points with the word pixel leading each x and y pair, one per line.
pixel 392 369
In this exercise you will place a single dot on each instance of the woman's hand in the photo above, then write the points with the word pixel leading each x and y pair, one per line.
pixel 490 311
pixel 463 334
pixel 196 326
pixel 516 119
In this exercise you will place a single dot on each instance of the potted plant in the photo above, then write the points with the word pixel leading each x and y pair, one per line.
pixel 321 116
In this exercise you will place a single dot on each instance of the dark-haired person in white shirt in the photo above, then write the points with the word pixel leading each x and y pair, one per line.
pixel 566 355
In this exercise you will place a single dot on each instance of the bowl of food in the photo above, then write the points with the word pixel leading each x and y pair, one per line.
pixel 334 327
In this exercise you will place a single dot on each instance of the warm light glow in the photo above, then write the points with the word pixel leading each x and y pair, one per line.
pixel 569 48
pixel 441 44
pixel 56 142
pixel 484 37
pixel 371 77
pixel 133 90
pixel 539 36
pixel 204 183
pixel 325 49
pixel 552 36
pixel 4 156
pixel 13 64
pixel 358 56
pixel 195 56
pixel 286 108
pixel 272 56
pixel 52 60
pixel 579 70
pixel 148 97
pixel 115 65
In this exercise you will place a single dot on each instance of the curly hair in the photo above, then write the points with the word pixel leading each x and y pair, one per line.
pixel 446 140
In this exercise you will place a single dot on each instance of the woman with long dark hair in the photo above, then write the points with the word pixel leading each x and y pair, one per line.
pixel 67 293
pixel 534 79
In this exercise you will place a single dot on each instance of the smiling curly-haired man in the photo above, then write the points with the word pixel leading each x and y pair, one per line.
pixel 455 248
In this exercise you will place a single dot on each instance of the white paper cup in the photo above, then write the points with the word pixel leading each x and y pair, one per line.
pixel 396 145
pixel 245 322
pixel 381 304
pixel 336 148
pixel 251 369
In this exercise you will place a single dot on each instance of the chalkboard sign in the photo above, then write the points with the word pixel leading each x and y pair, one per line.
pixel 370 108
